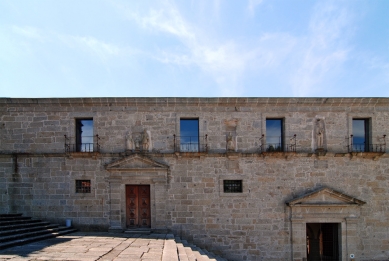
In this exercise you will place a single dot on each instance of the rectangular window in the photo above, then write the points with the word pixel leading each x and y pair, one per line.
pixel 232 186
pixel 360 135
pixel 189 135
pixel 274 135
pixel 84 135
pixel 83 186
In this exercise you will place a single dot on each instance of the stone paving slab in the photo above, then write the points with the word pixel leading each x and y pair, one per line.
pixel 82 246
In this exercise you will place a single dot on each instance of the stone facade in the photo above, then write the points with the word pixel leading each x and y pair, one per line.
pixel 316 177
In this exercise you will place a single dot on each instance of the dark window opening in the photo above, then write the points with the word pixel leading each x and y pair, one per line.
pixel 274 135
pixel 360 135
pixel 84 135
pixel 83 186
pixel 232 186
pixel 189 135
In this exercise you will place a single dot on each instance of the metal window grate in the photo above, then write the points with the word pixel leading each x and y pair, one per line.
pixel 83 186
pixel 232 186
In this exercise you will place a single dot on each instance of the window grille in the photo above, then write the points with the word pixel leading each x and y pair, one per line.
pixel 83 186
pixel 232 186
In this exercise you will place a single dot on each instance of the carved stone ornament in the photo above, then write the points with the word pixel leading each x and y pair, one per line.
pixel 129 142
pixel 138 141
pixel 319 135
pixel 230 142
pixel 231 123
pixel 145 140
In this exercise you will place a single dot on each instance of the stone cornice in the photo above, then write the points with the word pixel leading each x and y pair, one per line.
pixel 197 102
pixel 231 156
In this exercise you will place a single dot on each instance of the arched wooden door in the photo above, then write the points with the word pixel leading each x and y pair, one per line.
pixel 138 206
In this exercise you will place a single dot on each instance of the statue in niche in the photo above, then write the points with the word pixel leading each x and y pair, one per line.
pixel 137 142
pixel 129 142
pixel 145 141
pixel 230 142
pixel 319 134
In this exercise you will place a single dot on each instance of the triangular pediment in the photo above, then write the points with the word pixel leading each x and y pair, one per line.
pixel 136 162
pixel 325 196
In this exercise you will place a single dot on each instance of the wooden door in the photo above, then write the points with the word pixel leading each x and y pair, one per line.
pixel 323 241
pixel 138 206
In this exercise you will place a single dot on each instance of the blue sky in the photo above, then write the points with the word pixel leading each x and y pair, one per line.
pixel 198 48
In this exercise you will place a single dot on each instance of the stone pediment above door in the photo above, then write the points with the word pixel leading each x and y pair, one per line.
pixel 325 196
pixel 136 162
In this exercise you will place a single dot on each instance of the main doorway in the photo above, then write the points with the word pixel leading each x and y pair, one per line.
pixel 138 206
pixel 323 241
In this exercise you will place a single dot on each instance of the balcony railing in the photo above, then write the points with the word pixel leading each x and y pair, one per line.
pixel 94 146
pixel 190 143
pixel 363 147
pixel 275 144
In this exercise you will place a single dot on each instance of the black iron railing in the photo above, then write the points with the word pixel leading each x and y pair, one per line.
pixel 276 144
pixel 88 147
pixel 365 147
pixel 190 143
pixel 291 147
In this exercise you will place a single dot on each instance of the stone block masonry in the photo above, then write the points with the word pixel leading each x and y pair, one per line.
pixel 285 193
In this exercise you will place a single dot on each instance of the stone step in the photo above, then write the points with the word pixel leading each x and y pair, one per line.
pixel 26 229
pixel 11 215
pixel 195 253
pixel 140 231
pixel 17 230
pixel 61 231
pixel 23 225
pixel 169 252
pixel 191 256
pixel 188 252
pixel 11 218
pixel 29 234
pixel 5 224
pixel 182 256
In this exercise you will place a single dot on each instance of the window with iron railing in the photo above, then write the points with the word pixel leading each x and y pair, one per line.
pixel 84 140
pixel 189 135
pixel 360 137
pixel 274 135
pixel 84 135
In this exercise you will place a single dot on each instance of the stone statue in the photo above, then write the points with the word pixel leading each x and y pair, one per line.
pixel 137 142
pixel 145 140
pixel 129 142
pixel 230 142
pixel 319 134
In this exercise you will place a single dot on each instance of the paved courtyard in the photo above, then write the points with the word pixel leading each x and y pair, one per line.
pixel 94 246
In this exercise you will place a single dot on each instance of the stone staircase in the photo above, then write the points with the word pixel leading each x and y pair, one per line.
pixel 18 230
pixel 176 249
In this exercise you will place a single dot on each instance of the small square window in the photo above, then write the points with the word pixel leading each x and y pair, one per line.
pixel 232 186
pixel 83 186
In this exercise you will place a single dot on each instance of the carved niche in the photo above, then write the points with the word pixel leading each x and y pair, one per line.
pixel 139 141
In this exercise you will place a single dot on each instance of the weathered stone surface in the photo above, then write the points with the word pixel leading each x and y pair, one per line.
pixel 38 178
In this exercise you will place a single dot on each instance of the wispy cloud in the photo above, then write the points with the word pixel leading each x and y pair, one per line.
pixel 87 44
pixel 167 20
pixel 252 5
pixel 224 60
pixel 29 32
pixel 325 48
pixel 93 46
